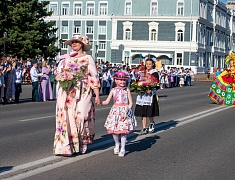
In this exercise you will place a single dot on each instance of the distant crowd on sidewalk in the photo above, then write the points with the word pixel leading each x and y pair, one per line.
pixel 169 76
pixel 15 71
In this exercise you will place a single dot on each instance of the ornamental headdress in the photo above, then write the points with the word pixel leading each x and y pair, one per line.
pixel 153 58
pixel 83 39
pixel 229 58
pixel 121 75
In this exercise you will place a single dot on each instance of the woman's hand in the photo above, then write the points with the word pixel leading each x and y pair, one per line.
pixel 97 101
pixel 149 91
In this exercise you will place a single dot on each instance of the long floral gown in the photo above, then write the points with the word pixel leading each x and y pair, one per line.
pixel 75 111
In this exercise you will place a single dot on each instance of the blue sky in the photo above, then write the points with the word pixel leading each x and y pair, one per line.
pixel 223 1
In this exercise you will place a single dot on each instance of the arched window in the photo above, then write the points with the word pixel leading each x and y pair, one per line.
pixel 153 35
pixel 180 35
pixel 127 34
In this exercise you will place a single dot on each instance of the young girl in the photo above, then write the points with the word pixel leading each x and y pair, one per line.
pixel 147 103
pixel 118 121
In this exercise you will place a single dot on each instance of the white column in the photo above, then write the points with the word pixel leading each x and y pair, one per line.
pixel 114 29
pixel 194 33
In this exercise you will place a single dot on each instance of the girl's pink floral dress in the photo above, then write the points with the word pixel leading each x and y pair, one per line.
pixel 75 111
pixel 117 122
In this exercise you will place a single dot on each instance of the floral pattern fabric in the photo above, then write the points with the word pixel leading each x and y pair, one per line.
pixel 75 111
pixel 117 121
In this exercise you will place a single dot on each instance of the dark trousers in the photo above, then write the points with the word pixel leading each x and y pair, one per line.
pixel 35 95
pixel 18 89
pixel 52 86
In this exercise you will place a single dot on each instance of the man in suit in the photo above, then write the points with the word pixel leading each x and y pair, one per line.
pixel 34 74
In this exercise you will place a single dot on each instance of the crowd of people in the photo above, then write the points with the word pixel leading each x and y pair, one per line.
pixel 15 71
pixel 169 76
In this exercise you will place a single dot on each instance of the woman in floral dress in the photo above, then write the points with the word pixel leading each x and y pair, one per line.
pixel 75 111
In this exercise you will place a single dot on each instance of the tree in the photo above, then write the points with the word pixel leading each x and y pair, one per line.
pixel 28 34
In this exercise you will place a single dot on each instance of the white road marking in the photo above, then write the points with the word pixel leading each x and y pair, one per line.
pixel 205 92
pixel 44 117
pixel 28 173
pixel 33 119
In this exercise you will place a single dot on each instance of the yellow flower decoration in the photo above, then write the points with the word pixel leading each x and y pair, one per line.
pixel 230 57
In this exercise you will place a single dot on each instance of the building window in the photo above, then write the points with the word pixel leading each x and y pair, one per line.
pixel 100 59
pixel 153 35
pixel 128 9
pixel 64 46
pixel 77 30
pixel 153 8
pixel 127 30
pixel 127 34
pixel 64 29
pixel 77 9
pixel 89 29
pixel 65 9
pixel 179 59
pixel 179 31
pixel 180 8
pixel 103 9
pixel 102 29
pixel 102 45
pixel 54 9
pixel 180 35
pixel 153 31
pixel 90 9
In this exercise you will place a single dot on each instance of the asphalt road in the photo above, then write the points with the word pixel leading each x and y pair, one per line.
pixel 194 140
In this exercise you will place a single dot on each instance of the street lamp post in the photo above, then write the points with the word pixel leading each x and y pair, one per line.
pixel 4 42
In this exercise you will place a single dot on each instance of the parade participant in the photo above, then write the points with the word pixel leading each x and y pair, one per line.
pixel 147 103
pixel 75 111
pixel 34 74
pixel 18 81
pixel 45 87
pixel 222 90
pixel 120 120
pixel 10 82
pixel 181 83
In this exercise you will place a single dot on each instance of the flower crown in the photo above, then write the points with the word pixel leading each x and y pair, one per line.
pixel 120 75
pixel 230 57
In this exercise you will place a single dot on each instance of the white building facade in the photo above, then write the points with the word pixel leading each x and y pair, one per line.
pixel 178 33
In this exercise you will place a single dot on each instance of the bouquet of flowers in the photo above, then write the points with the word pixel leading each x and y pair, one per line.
pixel 70 75
pixel 148 83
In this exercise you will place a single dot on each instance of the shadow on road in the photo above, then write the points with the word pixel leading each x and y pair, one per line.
pixel 133 144
pixel 166 125
pixel 147 142
pixel 6 168
pixel 141 145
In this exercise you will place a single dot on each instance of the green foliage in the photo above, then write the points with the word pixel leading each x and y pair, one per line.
pixel 28 34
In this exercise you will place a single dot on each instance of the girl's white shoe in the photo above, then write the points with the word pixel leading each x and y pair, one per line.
pixel 121 153
pixel 116 150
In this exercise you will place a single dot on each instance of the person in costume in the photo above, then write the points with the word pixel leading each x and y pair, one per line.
pixel 75 110
pixel 222 90
pixel 147 103
pixel 120 120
